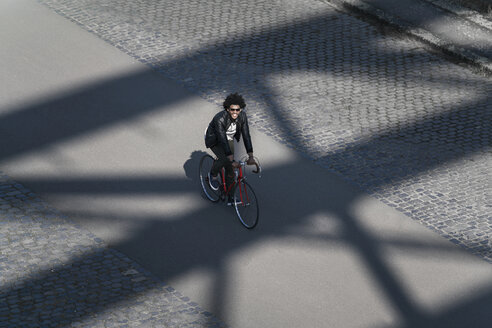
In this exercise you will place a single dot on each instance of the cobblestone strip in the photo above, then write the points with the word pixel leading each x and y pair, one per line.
pixel 471 15
pixel 473 57
pixel 409 127
pixel 54 274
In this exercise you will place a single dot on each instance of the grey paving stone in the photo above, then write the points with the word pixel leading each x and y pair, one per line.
pixel 57 274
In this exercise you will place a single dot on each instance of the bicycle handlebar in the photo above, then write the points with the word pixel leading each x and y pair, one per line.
pixel 258 167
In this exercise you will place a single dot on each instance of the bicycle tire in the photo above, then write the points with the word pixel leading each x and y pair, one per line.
pixel 205 166
pixel 246 205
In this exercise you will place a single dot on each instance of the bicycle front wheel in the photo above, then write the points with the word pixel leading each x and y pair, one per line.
pixel 246 205
pixel 205 166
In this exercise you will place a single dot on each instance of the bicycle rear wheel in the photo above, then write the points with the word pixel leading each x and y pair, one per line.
pixel 246 205
pixel 205 166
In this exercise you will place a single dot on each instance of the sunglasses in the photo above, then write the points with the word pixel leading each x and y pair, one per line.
pixel 235 109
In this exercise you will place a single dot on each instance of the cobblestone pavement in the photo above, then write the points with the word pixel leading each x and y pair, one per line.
pixel 406 125
pixel 54 274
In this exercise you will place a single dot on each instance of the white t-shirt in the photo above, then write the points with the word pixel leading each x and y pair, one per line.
pixel 231 131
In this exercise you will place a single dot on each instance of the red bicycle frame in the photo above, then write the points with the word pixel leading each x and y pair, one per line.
pixel 239 180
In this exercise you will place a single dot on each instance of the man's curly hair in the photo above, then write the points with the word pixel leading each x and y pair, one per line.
pixel 234 99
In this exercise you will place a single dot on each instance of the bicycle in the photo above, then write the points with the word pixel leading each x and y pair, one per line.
pixel 243 197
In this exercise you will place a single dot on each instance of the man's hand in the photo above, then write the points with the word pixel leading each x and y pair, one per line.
pixel 251 159
pixel 233 163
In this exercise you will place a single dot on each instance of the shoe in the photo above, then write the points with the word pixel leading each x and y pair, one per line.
pixel 214 183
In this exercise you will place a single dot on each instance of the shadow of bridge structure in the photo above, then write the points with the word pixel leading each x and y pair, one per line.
pixel 202 238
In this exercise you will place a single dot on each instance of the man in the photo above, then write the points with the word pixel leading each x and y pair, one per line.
pixel 229 124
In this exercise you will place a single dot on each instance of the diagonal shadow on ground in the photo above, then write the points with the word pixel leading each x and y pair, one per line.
pixel 205 239
pixel 176 241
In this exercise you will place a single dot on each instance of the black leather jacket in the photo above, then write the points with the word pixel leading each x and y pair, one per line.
pixel 216 131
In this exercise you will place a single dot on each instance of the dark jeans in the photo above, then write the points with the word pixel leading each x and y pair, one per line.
pixel 223 161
